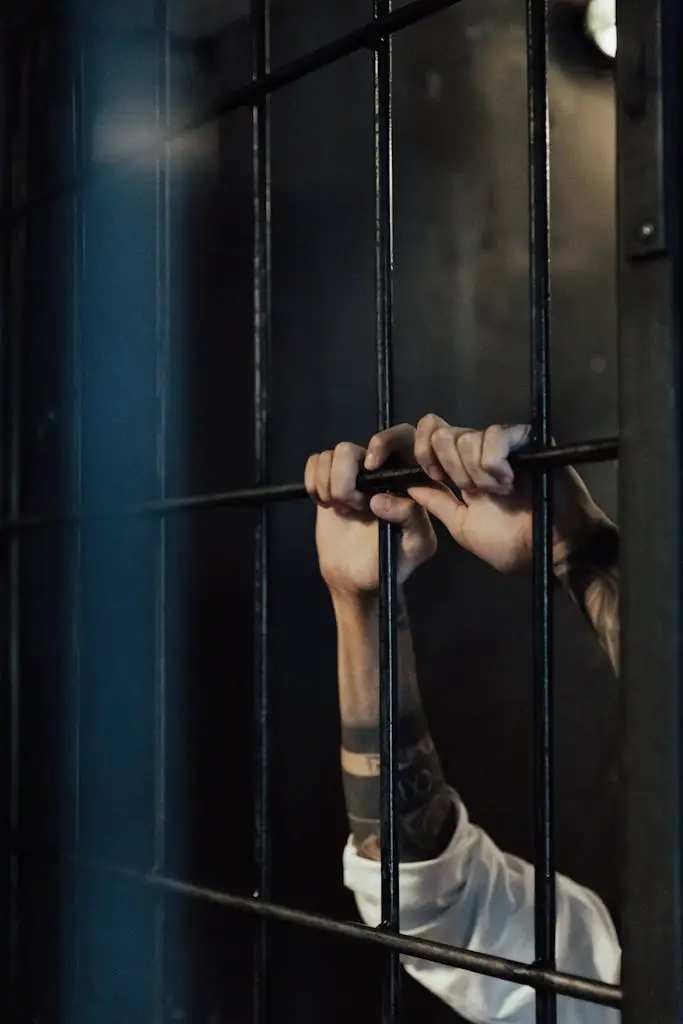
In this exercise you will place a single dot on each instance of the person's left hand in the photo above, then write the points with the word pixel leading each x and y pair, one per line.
pixel 347 522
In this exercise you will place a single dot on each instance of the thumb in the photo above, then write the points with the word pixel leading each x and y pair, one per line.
pixel 443 505
pixel 404 513
pixel 393 509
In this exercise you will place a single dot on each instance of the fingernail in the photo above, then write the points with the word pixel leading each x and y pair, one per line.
pixel 434 473
pixel 371 461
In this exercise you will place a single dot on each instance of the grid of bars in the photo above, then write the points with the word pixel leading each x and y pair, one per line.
pixel 376 34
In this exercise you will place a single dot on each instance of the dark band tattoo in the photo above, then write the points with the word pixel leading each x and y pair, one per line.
pixel 591 575
pixel 359 739
pixel 424 807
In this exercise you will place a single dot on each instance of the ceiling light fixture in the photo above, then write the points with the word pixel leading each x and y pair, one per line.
pixel 601 25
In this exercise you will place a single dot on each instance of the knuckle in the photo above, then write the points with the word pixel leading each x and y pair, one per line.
pixel 493 448
pixel 442 437
pixel 345 448
pixel 468 441
pixel 489 463
pixel 430 422
pixel 495 432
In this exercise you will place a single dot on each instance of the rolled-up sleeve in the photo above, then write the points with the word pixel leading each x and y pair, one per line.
pixel 477 897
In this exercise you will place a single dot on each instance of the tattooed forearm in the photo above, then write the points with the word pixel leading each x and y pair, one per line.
pixel 424 808
pixel 591 575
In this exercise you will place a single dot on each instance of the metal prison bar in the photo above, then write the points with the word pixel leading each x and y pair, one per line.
pixel 369 482
pixel 260 46
pixel 650 138
pixel 649 115
pixel 542 574
pixel 162 325
pixel 388 535
pixel 10 500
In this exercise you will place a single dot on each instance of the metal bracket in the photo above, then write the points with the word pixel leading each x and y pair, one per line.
pixel 640 113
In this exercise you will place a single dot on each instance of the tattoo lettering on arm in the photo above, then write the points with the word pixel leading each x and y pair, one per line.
pixel 424 807
pixel 591 575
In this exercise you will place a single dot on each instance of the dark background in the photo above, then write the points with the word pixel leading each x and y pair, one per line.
pixel 113 410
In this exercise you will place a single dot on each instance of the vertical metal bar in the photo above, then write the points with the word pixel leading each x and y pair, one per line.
pixel 388 535
pixel 162 318
pixel 17 185
pixel 78 270
pixel 261 169
pixel 650 162
pixel 9 498
pixel 14 675
pixel 78 263
pixel 539 253
pixel 4 695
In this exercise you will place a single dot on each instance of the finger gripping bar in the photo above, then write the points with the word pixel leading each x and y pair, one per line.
pixel 533 457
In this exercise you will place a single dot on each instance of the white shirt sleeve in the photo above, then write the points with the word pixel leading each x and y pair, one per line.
pixel 476 897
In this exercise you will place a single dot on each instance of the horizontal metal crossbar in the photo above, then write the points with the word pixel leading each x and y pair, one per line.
pixel 365 37
pixel 601 450
pixel 518 973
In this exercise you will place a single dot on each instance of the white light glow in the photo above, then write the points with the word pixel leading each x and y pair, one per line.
pixel 601 25
pixel 131 133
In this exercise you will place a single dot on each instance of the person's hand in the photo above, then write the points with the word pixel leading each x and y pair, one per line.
pixel 347 523
pixel 494 518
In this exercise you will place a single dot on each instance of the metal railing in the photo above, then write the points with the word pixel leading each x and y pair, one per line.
pixel 649 107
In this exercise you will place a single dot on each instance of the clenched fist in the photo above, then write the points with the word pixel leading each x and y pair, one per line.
pixel 494 518
pixel 347 521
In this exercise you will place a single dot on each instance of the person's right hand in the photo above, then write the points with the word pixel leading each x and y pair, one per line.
pixel 494 518
pixel 347 523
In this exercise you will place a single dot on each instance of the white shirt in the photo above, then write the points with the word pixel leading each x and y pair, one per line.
pixel 479 898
